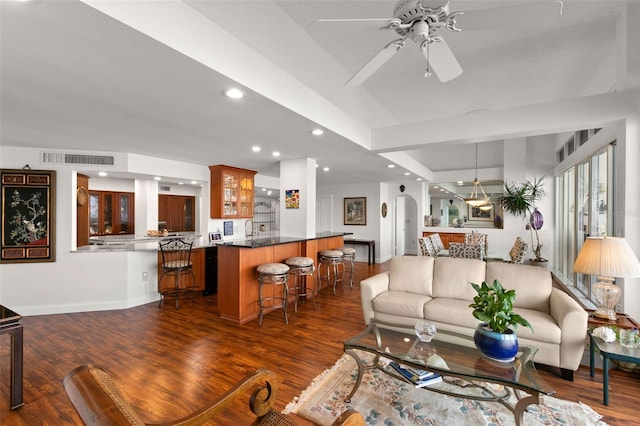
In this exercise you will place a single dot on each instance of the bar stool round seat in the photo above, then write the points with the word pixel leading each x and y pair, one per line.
pixel 331 262
pixel 302 267
pixel 349 253
pixel 275 275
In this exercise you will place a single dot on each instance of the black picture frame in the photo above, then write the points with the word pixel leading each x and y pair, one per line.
pixel 27 232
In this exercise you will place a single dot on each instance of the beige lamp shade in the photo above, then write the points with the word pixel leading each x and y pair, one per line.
pixel 607 257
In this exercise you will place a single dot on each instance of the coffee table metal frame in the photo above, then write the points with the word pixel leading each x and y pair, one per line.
pixel 377 338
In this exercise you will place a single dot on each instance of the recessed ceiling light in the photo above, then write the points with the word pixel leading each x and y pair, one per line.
pixel 418 179
pixel 317 165
pixel 234 93
pixel 194 182
pixel 460 182
pixel 103 174
pixel 317 132
pixel 407 173
pixel 326 169
pixel 180 183
pixel 391 166
pixel 276 154
pixel 255 148
pixel 264 189
pixel 441 189
pixel 157 178
pixel 269 193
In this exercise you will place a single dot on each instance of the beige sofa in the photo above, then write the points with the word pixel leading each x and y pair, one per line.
pixel 439 290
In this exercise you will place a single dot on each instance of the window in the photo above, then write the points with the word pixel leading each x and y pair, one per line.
pixel 584 196
pixel 111 213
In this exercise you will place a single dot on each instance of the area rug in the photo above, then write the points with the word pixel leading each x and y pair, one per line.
pixel 383 400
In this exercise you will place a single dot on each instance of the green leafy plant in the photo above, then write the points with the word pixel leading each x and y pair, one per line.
pixel 493 305
pixel 520 200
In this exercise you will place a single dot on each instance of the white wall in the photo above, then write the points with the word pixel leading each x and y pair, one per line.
pixel 370 231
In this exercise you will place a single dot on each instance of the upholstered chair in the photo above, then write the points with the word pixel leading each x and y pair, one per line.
pixel 426 247
pixel 466 251
pixel 477 238
pixel 518 251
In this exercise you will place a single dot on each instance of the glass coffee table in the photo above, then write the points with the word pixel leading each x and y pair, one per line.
pixel 455 357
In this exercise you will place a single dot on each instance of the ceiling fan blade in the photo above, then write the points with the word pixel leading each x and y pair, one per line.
pixel 442 60
pixel 376 62
pixel 516 16
pixel 375 23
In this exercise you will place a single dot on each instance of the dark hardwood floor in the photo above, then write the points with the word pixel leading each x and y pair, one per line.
pixel 170 362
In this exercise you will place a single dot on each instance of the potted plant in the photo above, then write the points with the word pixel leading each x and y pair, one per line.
pixel 495 336
pixel 520 200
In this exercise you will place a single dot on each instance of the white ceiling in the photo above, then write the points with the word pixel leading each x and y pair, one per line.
pixel 73 77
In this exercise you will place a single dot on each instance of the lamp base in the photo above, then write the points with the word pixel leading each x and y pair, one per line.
pixel 606 295
pixel 606 314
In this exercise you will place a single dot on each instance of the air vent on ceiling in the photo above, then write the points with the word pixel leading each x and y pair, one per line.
pixel 165 188
pixel 65 158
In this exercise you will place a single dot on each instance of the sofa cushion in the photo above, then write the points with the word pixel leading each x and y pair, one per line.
pixel 452 277
pixel 413 274
pixel 400 303
pixel 531 283
pixel 451 311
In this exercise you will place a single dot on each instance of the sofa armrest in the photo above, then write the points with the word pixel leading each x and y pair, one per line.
pixel 369 289
pixel 572 320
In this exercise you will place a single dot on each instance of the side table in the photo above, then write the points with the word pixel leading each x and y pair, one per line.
pixel 9 324
pixel 612 350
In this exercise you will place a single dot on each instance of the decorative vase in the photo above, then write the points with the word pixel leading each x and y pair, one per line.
pixel 501 347
pixel 536 220
pixel 425 330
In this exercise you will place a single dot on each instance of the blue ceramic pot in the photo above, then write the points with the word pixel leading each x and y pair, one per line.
pixel 497 346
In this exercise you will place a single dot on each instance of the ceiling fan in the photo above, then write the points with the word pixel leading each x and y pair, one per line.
pixel 423 24
pixel 412 20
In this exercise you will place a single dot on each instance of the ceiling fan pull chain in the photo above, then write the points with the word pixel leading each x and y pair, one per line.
pixel 427 74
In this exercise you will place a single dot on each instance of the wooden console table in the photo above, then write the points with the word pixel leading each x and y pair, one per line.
pixel 9 324
pixel 371 251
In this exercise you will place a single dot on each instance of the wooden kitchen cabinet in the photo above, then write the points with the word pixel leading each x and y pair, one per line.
pixel 231 192
pixel 177 211
pixel 447 237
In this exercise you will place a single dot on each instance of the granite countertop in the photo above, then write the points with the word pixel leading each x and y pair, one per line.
pixel 113 243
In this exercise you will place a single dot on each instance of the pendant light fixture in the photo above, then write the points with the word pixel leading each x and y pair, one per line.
pixel 474 200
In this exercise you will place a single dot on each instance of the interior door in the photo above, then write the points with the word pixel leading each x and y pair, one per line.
pixel 400 230
pixel 324 205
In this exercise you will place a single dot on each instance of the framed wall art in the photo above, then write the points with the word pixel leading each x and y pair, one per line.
pixel 355 211
pixel 28 216
pixel 292 199
pixel 476 213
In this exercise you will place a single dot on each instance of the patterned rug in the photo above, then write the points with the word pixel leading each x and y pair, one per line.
pixel 383 400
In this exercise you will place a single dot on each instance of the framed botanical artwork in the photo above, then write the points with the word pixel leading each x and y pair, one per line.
pixel 355 211
pixel 292 199
pixel 28 216
pixel 476 213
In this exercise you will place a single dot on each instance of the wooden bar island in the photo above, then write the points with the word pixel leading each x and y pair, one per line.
pixel 237 262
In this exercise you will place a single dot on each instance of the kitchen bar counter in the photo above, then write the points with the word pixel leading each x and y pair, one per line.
pixel 237 281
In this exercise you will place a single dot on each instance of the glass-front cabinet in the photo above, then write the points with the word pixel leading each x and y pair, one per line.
pixel 110 213
pixel 231 192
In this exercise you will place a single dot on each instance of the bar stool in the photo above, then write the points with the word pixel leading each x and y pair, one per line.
pixel 331 260
pixel 274 274
pixel 302 267
pixel 349 253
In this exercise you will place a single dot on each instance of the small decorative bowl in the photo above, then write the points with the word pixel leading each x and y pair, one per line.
pixel 425 330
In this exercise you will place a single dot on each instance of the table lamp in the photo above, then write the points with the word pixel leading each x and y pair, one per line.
pixel 607 258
